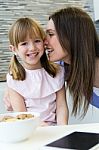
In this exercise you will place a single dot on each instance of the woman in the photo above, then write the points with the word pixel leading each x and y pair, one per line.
pixel 72 38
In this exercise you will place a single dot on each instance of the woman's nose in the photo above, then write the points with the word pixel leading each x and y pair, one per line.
pixel 45 43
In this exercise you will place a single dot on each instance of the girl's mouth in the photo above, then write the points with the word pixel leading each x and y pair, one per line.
pixel 32 55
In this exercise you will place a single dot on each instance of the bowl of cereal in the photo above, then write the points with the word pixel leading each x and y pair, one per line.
pixel 18 126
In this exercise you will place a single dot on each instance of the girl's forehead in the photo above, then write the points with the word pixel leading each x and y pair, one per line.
pixel 32 36
pixel 29 31
pixel 29 35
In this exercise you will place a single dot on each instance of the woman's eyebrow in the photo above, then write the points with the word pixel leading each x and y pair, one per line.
pixel 48 30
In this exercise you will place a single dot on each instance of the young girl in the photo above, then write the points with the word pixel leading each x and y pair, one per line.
pixel 35 84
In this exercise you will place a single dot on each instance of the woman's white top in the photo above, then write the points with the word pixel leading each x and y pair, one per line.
pixel 39 91
pixel 92 115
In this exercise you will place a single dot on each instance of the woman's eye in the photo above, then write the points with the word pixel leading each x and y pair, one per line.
pixel 50 34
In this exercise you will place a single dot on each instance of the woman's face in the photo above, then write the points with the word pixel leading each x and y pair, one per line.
pixel 55 51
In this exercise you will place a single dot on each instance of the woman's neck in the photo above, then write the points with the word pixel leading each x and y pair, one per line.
pixel 96 82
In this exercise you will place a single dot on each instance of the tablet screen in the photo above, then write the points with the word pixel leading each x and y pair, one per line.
pixel 77 140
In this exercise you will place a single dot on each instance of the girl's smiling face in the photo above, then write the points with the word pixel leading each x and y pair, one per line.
pixel 55 50
pixel 26 38
pixel 30 52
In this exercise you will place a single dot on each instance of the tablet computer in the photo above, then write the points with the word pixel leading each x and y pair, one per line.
pixel 75 140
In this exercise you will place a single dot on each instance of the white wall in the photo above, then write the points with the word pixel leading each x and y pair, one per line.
pixel 96 9
pixel 2 90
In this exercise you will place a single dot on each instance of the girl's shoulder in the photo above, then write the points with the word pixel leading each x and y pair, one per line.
pixel 59 67
pixel 60 70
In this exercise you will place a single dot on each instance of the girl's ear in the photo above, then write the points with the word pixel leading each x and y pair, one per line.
pixel 12 48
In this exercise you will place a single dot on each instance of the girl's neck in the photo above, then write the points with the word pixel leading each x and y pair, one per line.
pixel 33 67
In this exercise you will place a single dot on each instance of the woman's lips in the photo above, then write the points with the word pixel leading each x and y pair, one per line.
pixel 48 51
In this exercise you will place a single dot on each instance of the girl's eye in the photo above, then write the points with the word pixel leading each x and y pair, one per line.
pixel 24 43
pixel 37 41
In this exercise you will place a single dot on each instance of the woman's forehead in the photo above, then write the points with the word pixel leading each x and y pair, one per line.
pixel 50 25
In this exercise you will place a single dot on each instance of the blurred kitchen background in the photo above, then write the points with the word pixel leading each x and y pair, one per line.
pixel 10 10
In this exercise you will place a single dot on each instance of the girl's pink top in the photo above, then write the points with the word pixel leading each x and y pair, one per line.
pixel 39 91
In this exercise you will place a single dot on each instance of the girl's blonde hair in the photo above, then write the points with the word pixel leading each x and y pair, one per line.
pixel 18 33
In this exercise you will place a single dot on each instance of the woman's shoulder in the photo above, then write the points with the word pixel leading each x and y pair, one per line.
pixel 95 97
pixel 96 91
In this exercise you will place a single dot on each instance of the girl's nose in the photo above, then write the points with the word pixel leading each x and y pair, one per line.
pixel 31 46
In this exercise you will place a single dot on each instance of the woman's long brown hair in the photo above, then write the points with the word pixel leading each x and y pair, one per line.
pixel 77 36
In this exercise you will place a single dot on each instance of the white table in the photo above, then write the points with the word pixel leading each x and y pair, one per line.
pixel 45 135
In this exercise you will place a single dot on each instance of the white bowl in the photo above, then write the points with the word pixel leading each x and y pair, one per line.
pixel 18 130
